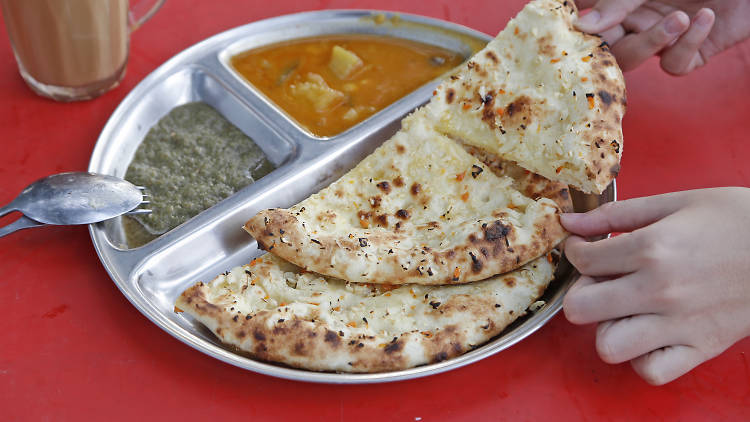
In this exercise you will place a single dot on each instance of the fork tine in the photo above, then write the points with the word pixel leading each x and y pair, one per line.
pixel 145 200
pixel 138 211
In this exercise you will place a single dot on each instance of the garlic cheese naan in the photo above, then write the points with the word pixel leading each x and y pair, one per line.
pixel 420 209
pixel 542 94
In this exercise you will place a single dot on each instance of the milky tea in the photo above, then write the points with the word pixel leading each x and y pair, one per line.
pixel 69 49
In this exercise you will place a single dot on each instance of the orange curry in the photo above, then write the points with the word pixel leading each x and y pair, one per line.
pixel 328 84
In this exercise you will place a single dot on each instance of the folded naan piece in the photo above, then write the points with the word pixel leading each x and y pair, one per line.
pixel 542 94
pixel 275 311
pixel 419 209
pixel 530 184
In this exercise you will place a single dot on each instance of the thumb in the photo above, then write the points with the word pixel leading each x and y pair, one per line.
pixel 623 216
pixel 606 14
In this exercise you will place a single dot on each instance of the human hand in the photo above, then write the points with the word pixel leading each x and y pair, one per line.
pixel 672 292
pixel 683 33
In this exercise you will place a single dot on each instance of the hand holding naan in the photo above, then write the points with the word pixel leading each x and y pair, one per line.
pixel 674 290
pixel 684 33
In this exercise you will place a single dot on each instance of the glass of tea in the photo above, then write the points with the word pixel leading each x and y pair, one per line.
pixel 71 50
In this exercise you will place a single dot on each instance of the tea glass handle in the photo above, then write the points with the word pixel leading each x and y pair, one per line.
pixel 136 23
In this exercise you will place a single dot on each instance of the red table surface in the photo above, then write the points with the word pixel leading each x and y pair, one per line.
pixel 73 348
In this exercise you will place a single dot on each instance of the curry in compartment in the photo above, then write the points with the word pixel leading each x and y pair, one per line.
pixel 329 84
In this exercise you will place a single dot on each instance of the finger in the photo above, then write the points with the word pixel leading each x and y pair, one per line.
pixel 622 216
pixel 634 49
pixel 628 338
pixel 664 365
pixel 614 34
pixel 684 55
pixel 606 14
pixel 607 257
pixel 606 300
pixel 581 282
pixel 642 19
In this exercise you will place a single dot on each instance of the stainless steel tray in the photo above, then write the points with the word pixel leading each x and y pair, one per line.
pixel 152 276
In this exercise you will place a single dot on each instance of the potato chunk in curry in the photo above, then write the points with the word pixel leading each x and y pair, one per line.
pixel 343 62
pixel 316 91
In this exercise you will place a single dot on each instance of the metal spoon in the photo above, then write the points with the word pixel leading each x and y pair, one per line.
pixel 73 198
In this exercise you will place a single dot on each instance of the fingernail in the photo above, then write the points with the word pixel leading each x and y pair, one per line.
pixel 675 24
pixel 589 20
pixel 570 218
pixel 703 18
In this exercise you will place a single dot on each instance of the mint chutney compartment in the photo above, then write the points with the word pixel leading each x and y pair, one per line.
pixel 192 159
pixel 189 169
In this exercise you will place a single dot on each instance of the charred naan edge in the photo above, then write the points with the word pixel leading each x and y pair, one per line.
pixel 276 312
pixel 526 182
pixel 542 94
pixel 417 210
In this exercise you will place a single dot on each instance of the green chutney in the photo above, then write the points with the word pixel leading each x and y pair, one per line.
pixel 190 160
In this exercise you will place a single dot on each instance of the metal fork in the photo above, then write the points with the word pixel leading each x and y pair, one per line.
pixel 74 198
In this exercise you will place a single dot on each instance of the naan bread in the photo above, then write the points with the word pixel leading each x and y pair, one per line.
pixel 542 94
pixel 530 184
pixel 418 210
pixel 277 312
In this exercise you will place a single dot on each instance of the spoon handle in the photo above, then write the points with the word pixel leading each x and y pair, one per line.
pixel 7 209
pixel 22 223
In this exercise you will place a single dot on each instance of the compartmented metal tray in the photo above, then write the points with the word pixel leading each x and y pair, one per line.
pixel 152 276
